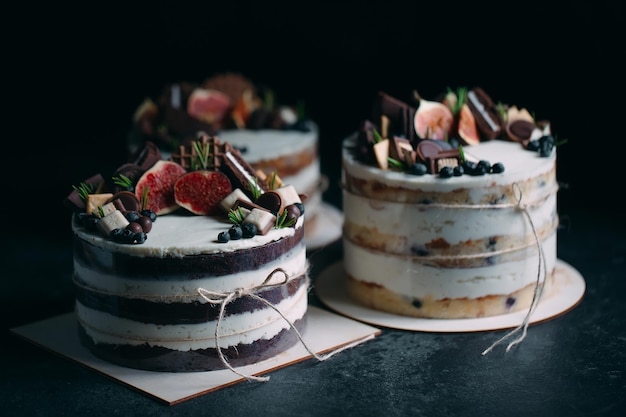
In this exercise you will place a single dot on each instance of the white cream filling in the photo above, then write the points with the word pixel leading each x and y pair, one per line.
pixel 417 225
pixel 179 288
pixel 243 328
pixel 407 276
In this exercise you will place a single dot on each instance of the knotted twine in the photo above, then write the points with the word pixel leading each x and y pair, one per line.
pixel 223 298
pixel 541 268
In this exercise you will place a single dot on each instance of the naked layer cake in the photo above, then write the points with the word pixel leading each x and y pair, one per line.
pixel 450 207
pixel 188 265
pixel 271 135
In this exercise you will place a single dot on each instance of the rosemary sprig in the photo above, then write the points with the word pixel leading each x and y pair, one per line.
pixel 282 221
pixel 123 181
pixel 236 216
pixel 272 182
pixel 254 188
pixel 395 163
pixel 377 136
pixel 83 190
pixel 144 198
pixel 201 160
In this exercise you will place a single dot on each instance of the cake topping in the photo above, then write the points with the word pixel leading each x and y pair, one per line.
pixel 221 102
pixel 211 178
pixel 433 143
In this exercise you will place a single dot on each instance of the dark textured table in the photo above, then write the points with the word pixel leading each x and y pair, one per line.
pixel 572 365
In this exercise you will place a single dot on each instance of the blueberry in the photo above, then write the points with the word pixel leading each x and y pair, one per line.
pixel 455 142
pixel 458 171
pixel 223 237
pixel 116 234
pixel 132 216
pixel 301 207
pixel 446 172
pixel 141 237
pixel 533 145
pixel 149 213
pixel 479 170
pixel 235 232
pixel 545 149
pixel 497 168
pixel 509 302
pixel 468 166
pixel 127 236
pixel 485 164
pixel 248 230
pixel 418 168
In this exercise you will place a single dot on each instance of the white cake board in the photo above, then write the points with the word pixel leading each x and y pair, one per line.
pixel 567 291
pixel 327 227
pixel 324 333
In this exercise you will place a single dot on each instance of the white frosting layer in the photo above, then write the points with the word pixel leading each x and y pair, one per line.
pixel 241 328
pixel 469 210
pixel 181 289
pixel 410 277
pixel 195 235
pixel 520 165
pixel 267 144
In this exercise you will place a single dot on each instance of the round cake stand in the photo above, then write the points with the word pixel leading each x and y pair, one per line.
pixel 327 227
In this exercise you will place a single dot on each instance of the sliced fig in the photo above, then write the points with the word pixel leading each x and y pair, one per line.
pixel 158 184
pixel 202 191
pixel 210 106
pixel 433 120
pixel 467 130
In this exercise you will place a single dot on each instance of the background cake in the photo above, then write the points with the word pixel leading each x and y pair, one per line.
pixel 450 207
pixel 160 247
pixel 271 135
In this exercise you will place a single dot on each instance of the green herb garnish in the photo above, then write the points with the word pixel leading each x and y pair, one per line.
pixel 282 221
pixel 395 163
pixel 144 198
pixel 84 190
pixel 377 136
pixel 201 160
pixel 123 181
pixel 254 188
pixel 236 216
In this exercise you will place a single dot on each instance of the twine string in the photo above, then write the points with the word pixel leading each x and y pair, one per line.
pixel 223 298
pixel 541 268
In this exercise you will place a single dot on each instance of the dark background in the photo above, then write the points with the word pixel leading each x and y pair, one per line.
pixel 76 75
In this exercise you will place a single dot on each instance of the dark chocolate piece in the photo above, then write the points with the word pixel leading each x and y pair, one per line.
pixel 271 201
pixel 520 130
pixel 126 201
pixel 450 158
pixel 129 170
pixel 249 205
pixel 428 148
pixel 241 173
pixel 397 146
pixel 401 116
pixel 147 156
pixel 74 202
pixel 488 120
